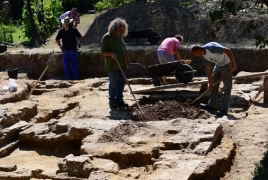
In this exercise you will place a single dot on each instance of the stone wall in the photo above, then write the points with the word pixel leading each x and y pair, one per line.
pixel 33 62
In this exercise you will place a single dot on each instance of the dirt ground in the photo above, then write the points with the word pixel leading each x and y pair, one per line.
pixel 249 133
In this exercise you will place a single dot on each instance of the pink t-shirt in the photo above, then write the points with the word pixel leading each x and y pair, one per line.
pixel 169 45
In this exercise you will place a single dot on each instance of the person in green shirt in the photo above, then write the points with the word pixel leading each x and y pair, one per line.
pixel 113 47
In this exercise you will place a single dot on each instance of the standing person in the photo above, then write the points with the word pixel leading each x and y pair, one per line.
pixel 72 14
pixel 166 51
pixel 113 47
pixel 68 34
pixel 224 62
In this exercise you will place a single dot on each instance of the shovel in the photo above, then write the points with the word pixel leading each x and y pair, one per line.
pixel 143 116
pixel 204 93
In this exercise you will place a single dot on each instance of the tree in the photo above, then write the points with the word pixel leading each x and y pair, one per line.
pixel 40 19
pixel 219 17
pixel 33 26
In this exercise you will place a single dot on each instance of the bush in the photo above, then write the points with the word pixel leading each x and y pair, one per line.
pixel 5 20
pixel 46 18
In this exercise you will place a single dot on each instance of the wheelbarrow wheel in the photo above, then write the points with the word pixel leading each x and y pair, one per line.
pixel 153 37
pixel 184 73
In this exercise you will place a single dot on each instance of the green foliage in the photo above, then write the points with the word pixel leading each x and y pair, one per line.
pixel 5 34
pixel 46 18
pixel 5 12
pixel 18 35
pixel 218 16
pixel 185 4
pixel 5 20
pixel 105 4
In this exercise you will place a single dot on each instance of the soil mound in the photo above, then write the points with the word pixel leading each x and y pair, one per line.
pixel 172 17
pixel 167 110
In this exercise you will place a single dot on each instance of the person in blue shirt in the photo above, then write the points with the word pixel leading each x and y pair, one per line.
pixel 72 14
pixel 223 59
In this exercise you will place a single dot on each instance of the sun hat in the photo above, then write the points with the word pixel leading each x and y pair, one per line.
pixel 66 21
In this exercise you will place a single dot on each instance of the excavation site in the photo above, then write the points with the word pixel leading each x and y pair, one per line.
pixel 57 129
pixel 52 128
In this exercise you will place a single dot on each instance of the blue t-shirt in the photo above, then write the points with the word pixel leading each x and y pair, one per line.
pixel 214 53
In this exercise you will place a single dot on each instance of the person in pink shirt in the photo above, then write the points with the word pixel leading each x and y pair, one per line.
pixel 167 49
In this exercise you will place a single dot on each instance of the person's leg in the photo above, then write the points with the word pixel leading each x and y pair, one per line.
pixel 120 84
pixel 66 60
pixel 75 64
pixel 227 88
pixel 213 95
pixel 164 57
pixel 112 88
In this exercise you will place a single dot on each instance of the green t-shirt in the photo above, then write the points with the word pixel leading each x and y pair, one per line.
pixel 116 45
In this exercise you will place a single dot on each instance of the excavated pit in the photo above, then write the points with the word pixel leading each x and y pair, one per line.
pixel 62 121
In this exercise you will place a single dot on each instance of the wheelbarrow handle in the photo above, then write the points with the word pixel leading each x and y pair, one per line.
pixel 137 64
pixel 141 72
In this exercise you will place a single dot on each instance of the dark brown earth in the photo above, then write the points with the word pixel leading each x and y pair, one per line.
pixel 159 111
pixel 167 110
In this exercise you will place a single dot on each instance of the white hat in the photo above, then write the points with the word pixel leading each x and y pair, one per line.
pixel 66 21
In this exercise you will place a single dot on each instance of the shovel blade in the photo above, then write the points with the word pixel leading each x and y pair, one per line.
pixel 194 102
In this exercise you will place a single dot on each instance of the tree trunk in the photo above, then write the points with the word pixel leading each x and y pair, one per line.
pixel 37 40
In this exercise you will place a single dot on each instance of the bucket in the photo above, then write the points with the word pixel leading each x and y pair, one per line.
pixel 12 73
pixel 3 48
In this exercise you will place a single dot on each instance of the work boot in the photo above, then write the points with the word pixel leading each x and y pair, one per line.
pixel 122 104
pixel 113 105
pixel 207 107
pixel 164 83
pixel 221 113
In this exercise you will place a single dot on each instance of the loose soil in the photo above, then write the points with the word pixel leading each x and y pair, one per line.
pixel 167 110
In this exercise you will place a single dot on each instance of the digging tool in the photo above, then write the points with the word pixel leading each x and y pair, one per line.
pixel 187 47
pixel 204 93
pixel 36 83
pixel 143 116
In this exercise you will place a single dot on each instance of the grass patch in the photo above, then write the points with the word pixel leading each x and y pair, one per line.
pixel 18 36
pixel 261 170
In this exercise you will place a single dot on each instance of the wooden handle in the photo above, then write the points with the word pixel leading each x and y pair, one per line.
pixel 36 83
pixel 223 77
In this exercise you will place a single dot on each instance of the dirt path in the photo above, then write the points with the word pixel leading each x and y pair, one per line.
pixel 251 137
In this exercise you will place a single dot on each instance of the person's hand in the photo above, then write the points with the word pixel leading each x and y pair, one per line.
pixel 234 68
pixel 60 47
pixel 211 86
pixel 79 45
pixel 113 55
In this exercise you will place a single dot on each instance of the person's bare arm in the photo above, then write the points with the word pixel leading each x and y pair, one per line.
pixel 231 57
pixel 210 78
pixel 128 61
pixel 111 54
pixel 177 52
pixel 59 43
pixel 80 42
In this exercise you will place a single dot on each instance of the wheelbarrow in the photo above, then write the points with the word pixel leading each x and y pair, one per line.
pixel 152 36
pixel 184 73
